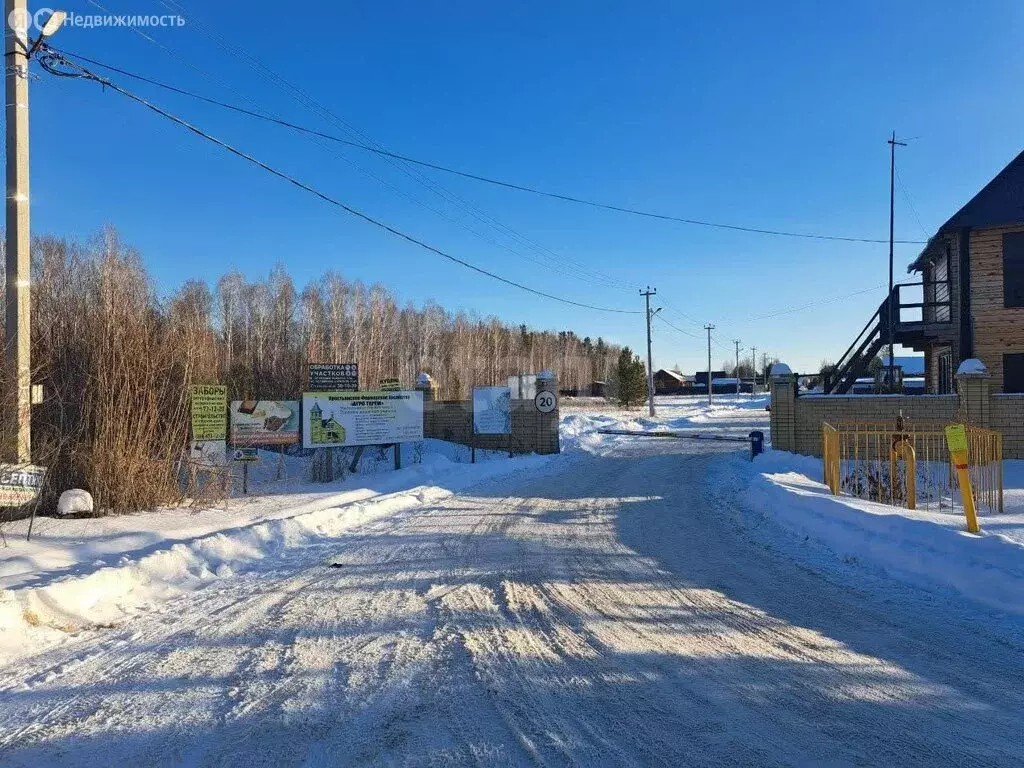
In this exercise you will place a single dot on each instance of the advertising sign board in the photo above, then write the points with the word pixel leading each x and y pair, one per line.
pixel 20 483
pixel 264 422
pixel 209 412
pixel 333 377
pixel 492 410
pixel 339 419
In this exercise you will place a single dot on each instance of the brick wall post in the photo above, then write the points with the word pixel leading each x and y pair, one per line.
pixel 546 424
pixel 425 384
pixel 974 384
pixel 783 413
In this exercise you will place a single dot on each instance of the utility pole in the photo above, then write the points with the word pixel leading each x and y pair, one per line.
pixel 892 215
pixel 737 343
pixel 650 369
pixel 753 367
pixel 17 335
pixel 764 368
pixel 709 328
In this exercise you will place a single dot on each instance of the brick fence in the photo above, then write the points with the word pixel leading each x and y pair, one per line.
pixel 796 419
pixel 452 420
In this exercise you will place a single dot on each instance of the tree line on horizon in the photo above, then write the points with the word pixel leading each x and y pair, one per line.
pixel 116 360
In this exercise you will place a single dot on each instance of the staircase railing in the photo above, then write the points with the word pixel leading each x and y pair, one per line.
pixel 850 364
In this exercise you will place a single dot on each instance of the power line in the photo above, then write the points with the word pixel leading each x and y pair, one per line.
pixel 560 264
pixel 586 271
pixel 675 328
pixel 906 196
pixel 826 300
pixel 478 177
pixel 50 58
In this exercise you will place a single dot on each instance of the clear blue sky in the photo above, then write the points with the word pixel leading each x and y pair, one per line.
pixel 764 114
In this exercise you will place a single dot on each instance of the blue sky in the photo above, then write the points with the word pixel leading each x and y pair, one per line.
pixel 767 115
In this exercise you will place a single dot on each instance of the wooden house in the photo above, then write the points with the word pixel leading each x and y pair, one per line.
pixel 969 301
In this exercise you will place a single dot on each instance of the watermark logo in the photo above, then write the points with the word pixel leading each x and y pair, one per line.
pixel 21 21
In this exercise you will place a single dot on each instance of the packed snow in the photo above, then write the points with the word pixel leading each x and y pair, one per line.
pixel 632 601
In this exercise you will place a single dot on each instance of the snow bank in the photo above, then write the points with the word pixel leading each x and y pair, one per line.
pixel 46 605
pixel 924 548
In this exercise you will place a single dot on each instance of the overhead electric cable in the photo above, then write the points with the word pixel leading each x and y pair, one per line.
pixel 478 177
pixel 50 58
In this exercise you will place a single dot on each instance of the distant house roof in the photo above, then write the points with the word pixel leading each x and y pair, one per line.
pixel 913 365
pixel 672 374
pixel 999 203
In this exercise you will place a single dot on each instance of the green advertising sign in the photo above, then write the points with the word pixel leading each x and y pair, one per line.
pixel 209 412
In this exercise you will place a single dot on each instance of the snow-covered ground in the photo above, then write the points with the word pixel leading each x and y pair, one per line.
pixel 633 601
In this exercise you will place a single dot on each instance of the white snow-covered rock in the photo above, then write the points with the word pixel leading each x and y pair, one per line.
pixel 971 365
pixel 73 502
pixel 781 369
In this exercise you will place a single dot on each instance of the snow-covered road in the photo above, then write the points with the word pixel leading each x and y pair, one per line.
pixel 603 610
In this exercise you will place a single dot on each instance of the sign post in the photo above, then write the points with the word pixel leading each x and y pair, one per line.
pixel 956 438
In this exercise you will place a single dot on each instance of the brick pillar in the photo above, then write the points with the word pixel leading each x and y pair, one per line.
pixel 783 413
pixel 426 385
pixel 974 384
pixel 546 424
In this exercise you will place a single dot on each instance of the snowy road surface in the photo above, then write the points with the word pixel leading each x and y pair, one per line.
pixel 606 610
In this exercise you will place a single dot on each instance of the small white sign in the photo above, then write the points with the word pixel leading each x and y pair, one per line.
pixel 211 453
pixel 546 402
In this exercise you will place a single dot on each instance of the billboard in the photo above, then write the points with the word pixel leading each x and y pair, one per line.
pixel 333 377
pixel 492 410
pixel 338 419
pixel 209 412
pixel 264 422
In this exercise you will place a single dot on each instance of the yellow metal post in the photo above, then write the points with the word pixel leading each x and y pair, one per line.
pixel 956 438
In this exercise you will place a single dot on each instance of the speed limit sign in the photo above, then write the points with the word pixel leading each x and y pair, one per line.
pixel 545 402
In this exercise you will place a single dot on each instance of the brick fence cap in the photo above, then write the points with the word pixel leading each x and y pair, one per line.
pixel 781 369
pixel 546 376
pixel 423 379
pixel 971 366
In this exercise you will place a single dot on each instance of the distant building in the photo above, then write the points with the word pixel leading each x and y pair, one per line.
pixel 671 383
pixel 912 365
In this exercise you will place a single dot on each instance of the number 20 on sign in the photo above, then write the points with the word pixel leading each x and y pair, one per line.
pixel 545 402
pixel 956 439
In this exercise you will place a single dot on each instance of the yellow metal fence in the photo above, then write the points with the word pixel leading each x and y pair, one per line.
pixel 909 465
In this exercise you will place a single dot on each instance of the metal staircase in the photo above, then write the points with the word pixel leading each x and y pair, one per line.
pixel 932 324
pixel 869 342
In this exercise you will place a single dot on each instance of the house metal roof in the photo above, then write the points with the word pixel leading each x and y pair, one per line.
pixel 1000 203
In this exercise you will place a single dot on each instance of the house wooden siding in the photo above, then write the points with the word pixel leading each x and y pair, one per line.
pixel 941 278
pixel 997 329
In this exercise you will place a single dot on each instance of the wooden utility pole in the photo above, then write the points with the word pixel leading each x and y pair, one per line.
pixel 737 343
pixel 17 334
pixel 650 370
pixel 709 328
pixel 753 367
pixel 893 311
